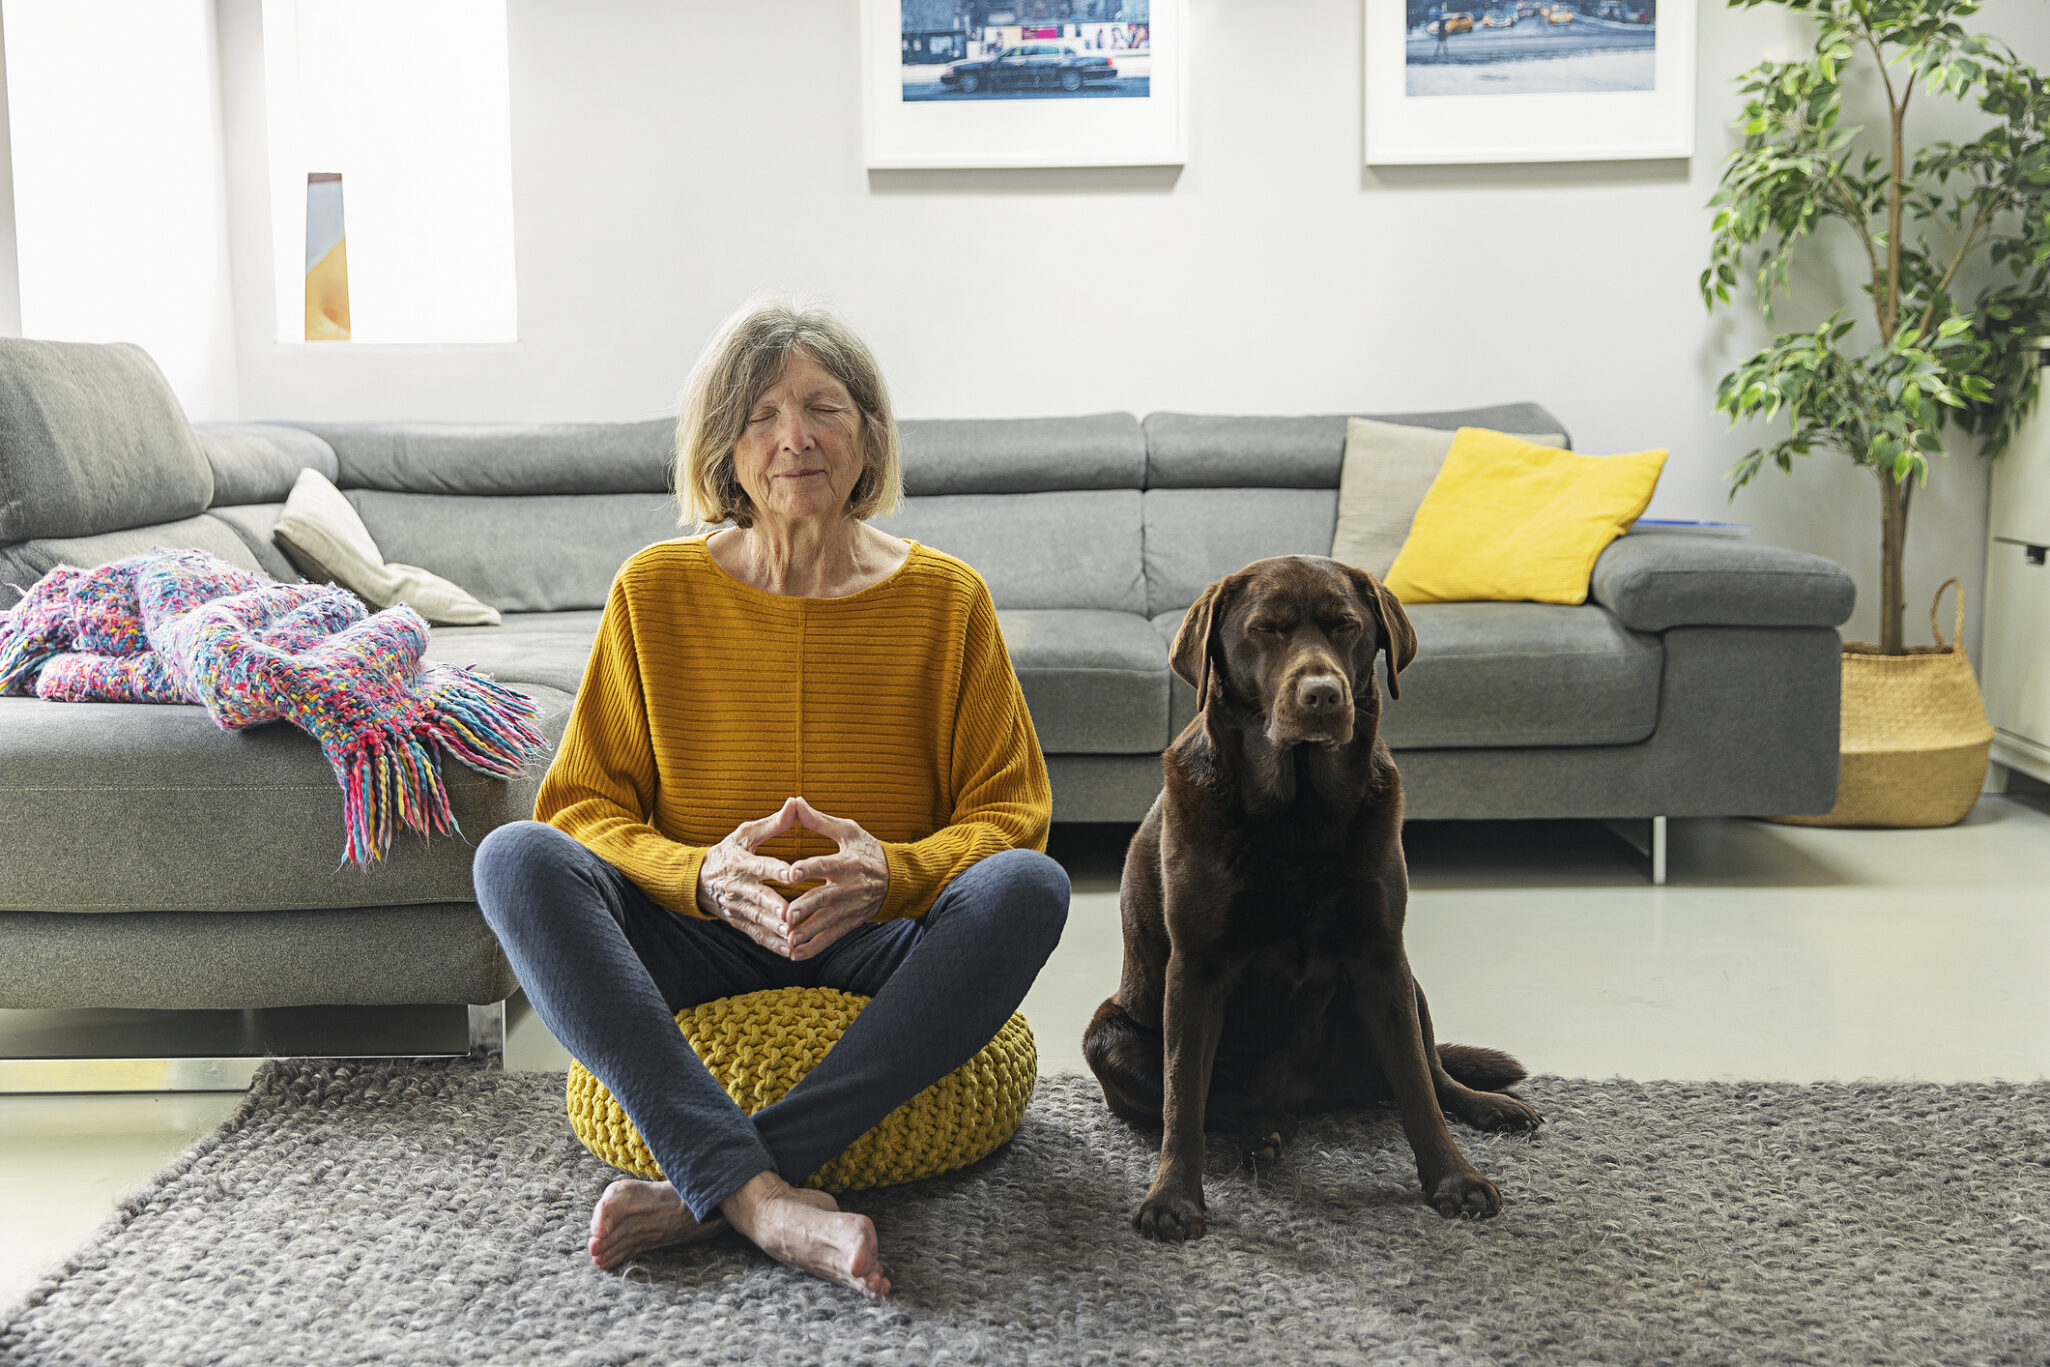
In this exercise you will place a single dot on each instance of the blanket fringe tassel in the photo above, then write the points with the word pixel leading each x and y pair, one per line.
pixel 392 774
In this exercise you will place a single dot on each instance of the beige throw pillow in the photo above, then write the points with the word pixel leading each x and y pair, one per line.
pixel 325 537
pixel 1388 469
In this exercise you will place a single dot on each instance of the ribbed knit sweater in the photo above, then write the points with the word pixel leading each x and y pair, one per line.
pixel 708 701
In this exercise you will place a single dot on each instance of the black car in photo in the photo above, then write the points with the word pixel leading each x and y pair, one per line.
pixel 1028 65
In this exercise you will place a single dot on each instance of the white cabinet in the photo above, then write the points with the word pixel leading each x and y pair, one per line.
pixel 2015 677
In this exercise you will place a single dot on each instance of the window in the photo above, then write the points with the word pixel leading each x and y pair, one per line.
pixel 407 102
pixel 119 213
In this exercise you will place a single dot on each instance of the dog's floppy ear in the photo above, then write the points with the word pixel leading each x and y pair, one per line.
pixel 1195 642
pixel 1398 637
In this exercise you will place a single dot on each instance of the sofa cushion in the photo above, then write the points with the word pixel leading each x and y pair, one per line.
pixel 325 537
pixel 1195 537
pixel 1070 549
pixel 256 462
pixel 1096 682
pixel 19 568
pixel 1022 455
pixel 519 553
pixel 1387 471
pixel 253 524
pixel 501 458
pixel 22 565
pixel 1509 674
pixel 139 806
pixel 1510 520
pixel 92 440
pixel 548 648
pixel 1203 451
pixel 201 533
pixel 1506 674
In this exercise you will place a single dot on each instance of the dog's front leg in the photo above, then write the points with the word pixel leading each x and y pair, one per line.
pixel 1388 998
pixel 1192 1016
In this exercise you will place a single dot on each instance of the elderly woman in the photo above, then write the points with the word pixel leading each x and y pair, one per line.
pixel 799 757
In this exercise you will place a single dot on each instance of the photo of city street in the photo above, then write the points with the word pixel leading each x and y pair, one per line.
pixel 1529 47
pixel 1026 49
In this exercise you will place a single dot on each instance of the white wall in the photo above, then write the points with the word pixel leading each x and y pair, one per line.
pixel 10 278
pixel 119 210
pixel 669 158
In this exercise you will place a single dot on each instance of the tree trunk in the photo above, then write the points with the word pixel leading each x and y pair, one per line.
pixel 1893 539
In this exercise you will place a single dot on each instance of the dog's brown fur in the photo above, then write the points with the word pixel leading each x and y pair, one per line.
pixel 1263 900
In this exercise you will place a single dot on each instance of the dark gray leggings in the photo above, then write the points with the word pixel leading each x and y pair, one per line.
pixel 607 968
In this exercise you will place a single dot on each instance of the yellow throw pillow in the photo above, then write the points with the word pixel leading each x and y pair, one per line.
pixel 1511 521
pixel 1387 471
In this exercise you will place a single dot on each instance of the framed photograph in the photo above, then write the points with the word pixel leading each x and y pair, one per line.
pixel 949 83
pixel 1528 80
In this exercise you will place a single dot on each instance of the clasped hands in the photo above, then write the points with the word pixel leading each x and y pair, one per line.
pixel 733 882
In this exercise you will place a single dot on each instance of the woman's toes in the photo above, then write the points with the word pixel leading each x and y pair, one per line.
pixel 865 1265
pixel 855 1256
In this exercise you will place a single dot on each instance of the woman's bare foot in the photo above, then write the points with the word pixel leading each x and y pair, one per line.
pixel 633 1217
pixel 808 1230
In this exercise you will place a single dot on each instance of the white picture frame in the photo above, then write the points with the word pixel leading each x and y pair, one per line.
pixel 901 133
pixel 1407 128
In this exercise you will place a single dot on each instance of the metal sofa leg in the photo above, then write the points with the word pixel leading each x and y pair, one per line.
pixel 1652 846
pixel 487 1031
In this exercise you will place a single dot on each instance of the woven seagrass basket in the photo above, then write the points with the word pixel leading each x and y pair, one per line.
pixel 759 1044
pixel 1915 734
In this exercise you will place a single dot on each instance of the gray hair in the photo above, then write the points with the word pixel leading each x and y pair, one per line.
pixel 738 365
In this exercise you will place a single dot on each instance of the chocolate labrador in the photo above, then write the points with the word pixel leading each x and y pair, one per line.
pixel 1263 898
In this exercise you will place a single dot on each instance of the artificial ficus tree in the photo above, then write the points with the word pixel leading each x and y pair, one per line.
pixel 1922 214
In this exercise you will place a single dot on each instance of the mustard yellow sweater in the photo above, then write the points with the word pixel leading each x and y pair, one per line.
pixel 707 702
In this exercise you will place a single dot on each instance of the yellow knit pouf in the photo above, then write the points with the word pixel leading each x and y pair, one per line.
pixel 760 1044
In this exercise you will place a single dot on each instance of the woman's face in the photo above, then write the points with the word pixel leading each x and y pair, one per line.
pixel 800 454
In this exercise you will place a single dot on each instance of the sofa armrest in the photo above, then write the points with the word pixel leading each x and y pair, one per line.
pixel 1655 580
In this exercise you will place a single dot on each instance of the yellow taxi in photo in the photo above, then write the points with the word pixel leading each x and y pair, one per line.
pixel 1559 14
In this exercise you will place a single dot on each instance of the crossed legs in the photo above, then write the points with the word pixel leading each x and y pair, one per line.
pixel 606 968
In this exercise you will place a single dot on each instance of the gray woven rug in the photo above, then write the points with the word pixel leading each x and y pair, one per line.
pixel 436 1213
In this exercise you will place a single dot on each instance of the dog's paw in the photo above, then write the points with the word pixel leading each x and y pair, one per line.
pixel 1497 1111
pixel 1170 1219
pixel 1466 1194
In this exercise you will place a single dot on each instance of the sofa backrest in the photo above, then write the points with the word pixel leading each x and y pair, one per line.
pixel 92 440
pixel 533 517
pixel 1047 510
pixel 529 517
pixel 97 461
pixel 1224 491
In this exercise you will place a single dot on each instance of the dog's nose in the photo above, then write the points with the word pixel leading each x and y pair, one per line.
pixel 1320 693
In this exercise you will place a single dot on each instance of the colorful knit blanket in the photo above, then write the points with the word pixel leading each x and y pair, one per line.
pixel 185 626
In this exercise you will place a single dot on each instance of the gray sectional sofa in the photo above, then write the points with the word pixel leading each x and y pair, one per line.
pixel 149 859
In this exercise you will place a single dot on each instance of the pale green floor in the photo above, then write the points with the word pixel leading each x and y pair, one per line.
pixel 1773 953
